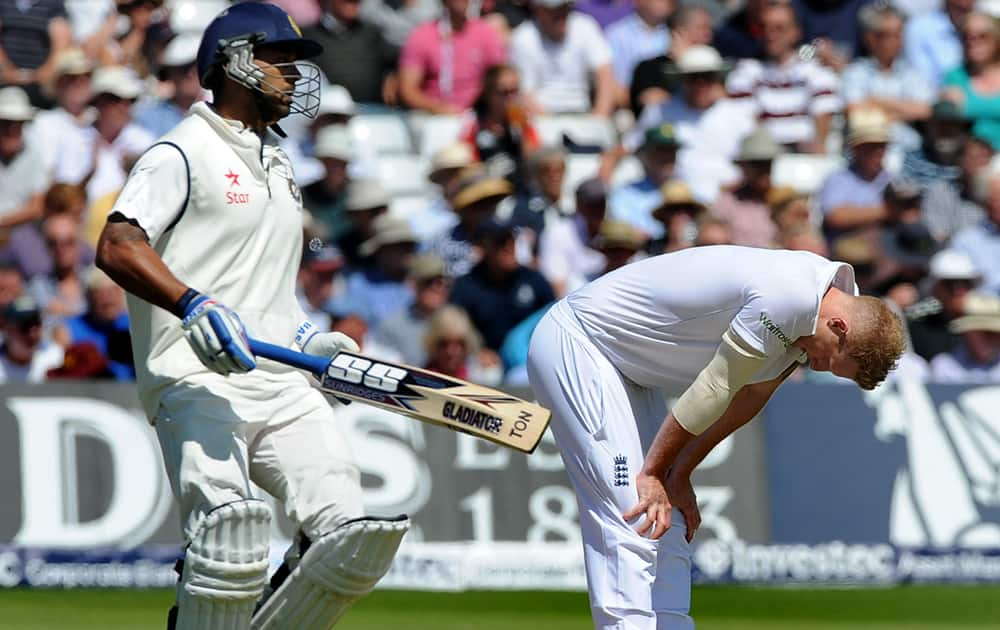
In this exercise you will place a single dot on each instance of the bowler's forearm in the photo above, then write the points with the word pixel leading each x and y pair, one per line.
pixel 698 449
pixel 746 404
pixel 669 441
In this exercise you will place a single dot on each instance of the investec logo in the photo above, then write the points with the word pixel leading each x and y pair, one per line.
pixel 775 329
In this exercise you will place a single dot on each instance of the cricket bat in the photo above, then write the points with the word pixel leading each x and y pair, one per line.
pixel 449 402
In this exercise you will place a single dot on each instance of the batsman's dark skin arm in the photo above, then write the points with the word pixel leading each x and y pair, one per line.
pixel 124 253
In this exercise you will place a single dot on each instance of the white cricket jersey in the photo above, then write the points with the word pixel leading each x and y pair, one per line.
pixel 660 320
pixel 225 216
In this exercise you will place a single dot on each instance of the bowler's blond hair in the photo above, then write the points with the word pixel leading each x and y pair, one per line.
pixel 875 342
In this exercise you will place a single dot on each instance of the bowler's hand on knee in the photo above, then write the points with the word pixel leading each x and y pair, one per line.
pixel 654 504
pixel 682 496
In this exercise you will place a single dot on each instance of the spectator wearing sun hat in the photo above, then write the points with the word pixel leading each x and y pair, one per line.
pixel 698 109
pixel 366 201
pixel 976 359
pixel 444 174
pixel 476 199
pixel 326 198
pixel 23 177
pixel 405 329
pixel 746 207
pixel 113 142
pixel 380 288
pixel 851 199
pixel 64 129
pixel 951 278
pixel 180 72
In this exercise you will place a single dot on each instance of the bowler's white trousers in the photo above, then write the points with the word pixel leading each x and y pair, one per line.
pixel 603 425
pixel 281 436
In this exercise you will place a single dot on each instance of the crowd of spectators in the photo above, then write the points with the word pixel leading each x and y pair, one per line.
pixel 887 112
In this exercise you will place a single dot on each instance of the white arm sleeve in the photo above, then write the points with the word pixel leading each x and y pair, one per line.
pixel 708 397
pixel 156 190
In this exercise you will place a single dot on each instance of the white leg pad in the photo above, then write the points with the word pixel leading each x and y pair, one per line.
pixel 225 567
pixel 338 568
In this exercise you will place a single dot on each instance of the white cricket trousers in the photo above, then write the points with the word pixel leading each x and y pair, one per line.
pixel 603 424
pixel 291 447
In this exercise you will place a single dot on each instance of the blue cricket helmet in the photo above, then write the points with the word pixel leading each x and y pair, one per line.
pixel 263 23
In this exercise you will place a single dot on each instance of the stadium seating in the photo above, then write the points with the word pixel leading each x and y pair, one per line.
pixel 387 133
pixel 804 172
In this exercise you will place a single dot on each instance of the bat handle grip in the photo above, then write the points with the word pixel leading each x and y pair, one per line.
pixel 301 360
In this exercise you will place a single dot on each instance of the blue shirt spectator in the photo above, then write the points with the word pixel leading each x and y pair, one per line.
pixel 982 244
pixel 178 69
pixel 639 36
pixel 931 43
pixel 852 199
pixel 885 79
pixel 380 289
pixel 499 293
pixel 835 20
pixel 104 325
pixel 634 202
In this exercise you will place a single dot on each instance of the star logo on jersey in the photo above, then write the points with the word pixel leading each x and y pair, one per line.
pixel 234 178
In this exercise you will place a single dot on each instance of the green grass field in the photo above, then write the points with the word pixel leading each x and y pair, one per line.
pixel 716 608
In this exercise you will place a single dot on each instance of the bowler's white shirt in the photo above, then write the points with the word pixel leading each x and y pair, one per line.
pixel 557 74
pixel 660 320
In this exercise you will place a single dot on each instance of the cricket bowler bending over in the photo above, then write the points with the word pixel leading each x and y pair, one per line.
pixel 719 326
pixel 208 225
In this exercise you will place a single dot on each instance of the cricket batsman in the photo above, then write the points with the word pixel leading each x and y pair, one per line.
pixel 721 327
pixel 206 237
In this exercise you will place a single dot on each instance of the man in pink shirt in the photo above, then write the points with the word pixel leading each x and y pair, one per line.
pixel 442 64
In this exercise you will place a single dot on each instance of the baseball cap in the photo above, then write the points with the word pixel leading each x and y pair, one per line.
pixel 335 99
pixel 951 264
pixel 947 110
pixel 366 194
pixel 14 105
pixel 322 257
pixel 389 230
pixel 334 141
pixel 22 310
pixel 116 80
pixel 661 136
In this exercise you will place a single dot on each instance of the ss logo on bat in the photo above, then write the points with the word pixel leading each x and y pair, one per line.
pixel 352 369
